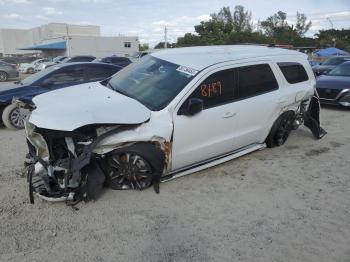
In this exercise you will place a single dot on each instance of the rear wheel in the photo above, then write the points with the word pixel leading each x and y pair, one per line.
pixel 134 167
pixel 3 76
pixel 30 70
pixel 13 117
pixel 280 129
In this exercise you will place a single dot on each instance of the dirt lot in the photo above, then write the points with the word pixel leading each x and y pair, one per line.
pixel 284 204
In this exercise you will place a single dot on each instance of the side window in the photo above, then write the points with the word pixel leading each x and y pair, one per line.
pixel 107 60
pixel 71 74
pixel 293 72
pixel 97 73
pixel 254 80
pixel 86 59
pixel 216 90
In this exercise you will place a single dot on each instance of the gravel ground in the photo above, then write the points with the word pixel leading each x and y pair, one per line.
pixel 290 203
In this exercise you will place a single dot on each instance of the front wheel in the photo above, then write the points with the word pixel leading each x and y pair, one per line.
pixel 134 167
pixel 3 76
pixel 30 71
pixel 13 117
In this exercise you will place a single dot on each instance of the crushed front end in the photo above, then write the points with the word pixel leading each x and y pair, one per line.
pixel 64 167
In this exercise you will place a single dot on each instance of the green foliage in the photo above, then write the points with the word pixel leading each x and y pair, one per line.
pixel 226 27
pixel 339 38
pixel 160 45
pixel 143 47
pixel 302 26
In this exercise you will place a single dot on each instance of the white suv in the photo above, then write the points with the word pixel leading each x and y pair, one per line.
pixel 174 112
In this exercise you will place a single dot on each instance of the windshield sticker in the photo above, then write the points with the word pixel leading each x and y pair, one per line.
pixel 187 70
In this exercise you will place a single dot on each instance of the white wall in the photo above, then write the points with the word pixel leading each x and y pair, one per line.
pixel 102 46
pixel 11 39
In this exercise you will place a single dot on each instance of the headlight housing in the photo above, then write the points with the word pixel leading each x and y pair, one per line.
pixel 37 140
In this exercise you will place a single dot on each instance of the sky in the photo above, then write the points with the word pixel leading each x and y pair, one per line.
pixel 147 19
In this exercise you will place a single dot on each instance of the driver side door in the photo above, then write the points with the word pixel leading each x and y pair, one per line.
pixel 208 133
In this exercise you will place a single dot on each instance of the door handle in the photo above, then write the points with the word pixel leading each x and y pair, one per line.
pixel 229 114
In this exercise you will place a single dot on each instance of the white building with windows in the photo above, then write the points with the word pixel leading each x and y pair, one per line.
pixel 56 39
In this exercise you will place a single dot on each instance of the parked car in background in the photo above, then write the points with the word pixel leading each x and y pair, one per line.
pixel 329 64
pixel 115 60
pixel 17 60
pixel 55 77
pixel 45 65
pixel 7 71
pixel 26 68
pixel 172 113
pixel 334 87
pixel 313 63
pixel 78 58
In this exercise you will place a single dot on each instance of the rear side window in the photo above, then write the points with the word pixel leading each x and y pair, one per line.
pixel 293 72
pixel 100 72
pixel 217 89
pixel 254 80
pixel 120 60
pixel 67 75
pixel 82 59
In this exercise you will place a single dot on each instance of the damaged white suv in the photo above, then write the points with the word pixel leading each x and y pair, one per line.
pixel 174 112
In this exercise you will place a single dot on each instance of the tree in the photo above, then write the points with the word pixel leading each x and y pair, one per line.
pixel 275 24
pixel 302 26
pixel 143 47
pixel 160 45
pixel 242 20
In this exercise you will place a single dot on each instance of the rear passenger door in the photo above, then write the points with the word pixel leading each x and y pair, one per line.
pixel 256 103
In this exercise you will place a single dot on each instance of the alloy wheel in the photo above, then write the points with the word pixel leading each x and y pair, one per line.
pixel 3 76
pixel 17 117
pixel 129 171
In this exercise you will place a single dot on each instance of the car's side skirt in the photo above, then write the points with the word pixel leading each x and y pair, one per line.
pixel 212 162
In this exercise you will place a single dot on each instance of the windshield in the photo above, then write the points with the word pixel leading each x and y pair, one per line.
pixel 341 70
pixel 334 61
pixel 33 78
pixel 151 81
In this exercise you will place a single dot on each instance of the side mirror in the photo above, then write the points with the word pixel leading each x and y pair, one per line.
pixel 194 106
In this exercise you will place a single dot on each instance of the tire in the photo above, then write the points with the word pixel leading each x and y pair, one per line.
pixel 3 76
pixel 134 167
pixel 280 130
pixel 12 117
pixel 30 70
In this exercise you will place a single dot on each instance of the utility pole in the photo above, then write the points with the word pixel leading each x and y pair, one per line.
pixel 67 41
pixel 330 21
pixel 165 37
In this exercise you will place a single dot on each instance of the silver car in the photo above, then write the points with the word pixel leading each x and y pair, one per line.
pixel 7 71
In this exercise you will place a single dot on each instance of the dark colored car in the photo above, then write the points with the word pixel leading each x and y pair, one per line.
pixel 115 60
pixel 329 64
pixel 55 77
pixel 334 88
pixel 8 71
pixel 78 58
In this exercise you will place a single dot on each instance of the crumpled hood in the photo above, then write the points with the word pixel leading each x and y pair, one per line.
pixel 334 82
pixel 92 103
